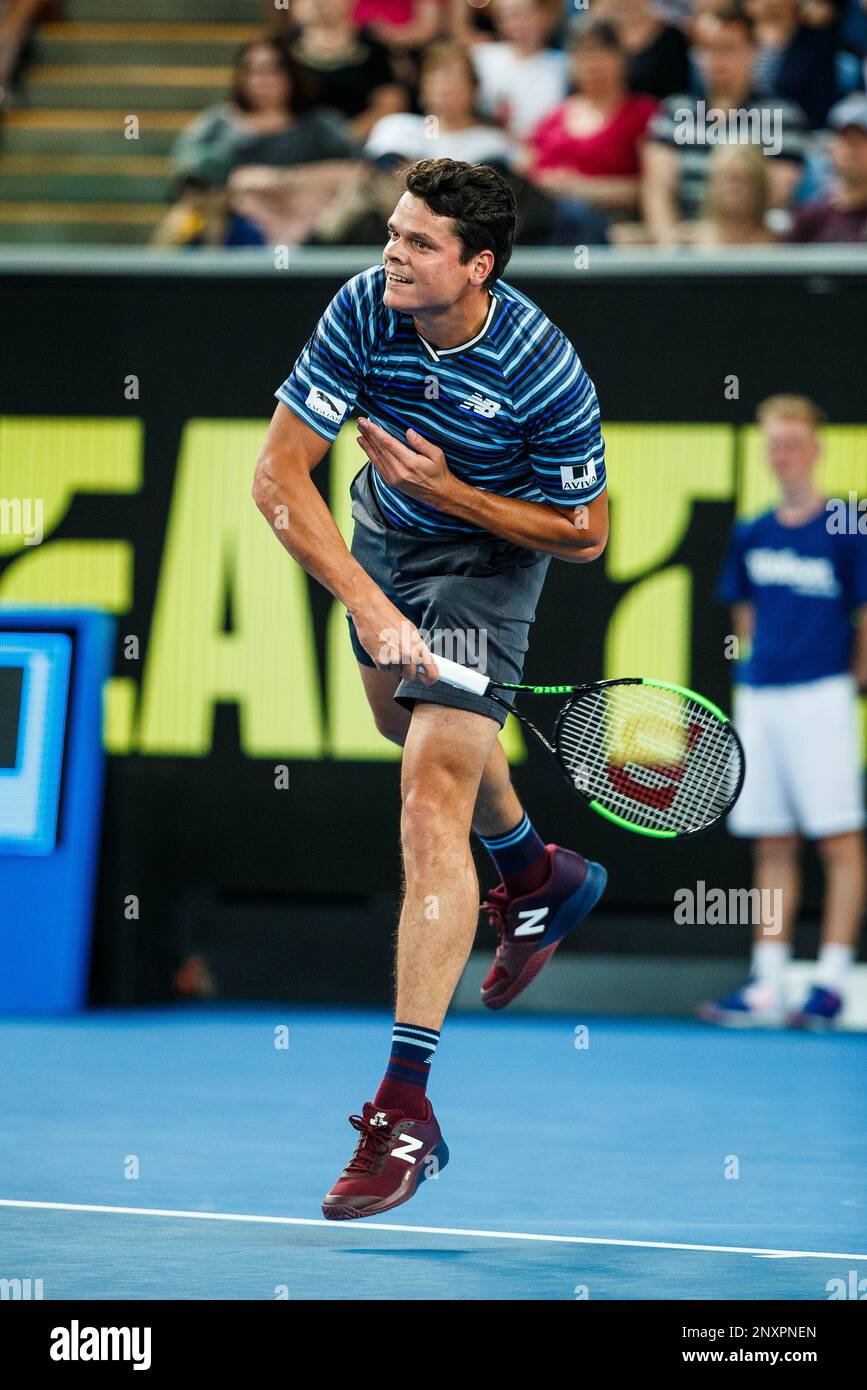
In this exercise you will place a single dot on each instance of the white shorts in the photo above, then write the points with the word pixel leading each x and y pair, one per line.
pixel 803 752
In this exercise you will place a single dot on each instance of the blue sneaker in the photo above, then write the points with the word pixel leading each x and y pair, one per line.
pixel 754 1005
pixel 818 1012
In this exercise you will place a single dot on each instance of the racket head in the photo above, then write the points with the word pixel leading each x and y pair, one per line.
pixel 652 757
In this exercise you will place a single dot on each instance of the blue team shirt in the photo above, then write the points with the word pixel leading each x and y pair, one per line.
pixel 804 582
pixel 512 409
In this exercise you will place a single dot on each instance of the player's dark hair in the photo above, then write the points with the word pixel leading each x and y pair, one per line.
pixel 477 199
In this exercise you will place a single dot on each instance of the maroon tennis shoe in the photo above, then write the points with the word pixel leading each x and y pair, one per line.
pixel 531 928
pixel 393 1155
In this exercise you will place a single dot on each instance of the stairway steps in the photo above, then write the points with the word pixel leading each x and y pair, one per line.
pixel 68 172
pixel 120 48
pixel 132 183
pixel 74 234
pixel 136 87
pixel 106 224
pixel 161 11
pixel 88 132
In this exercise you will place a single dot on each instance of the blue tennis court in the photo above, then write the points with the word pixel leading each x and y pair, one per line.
pixel 183 1153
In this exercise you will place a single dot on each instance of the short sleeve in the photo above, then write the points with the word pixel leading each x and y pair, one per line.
pixel 734 581
pixel 564 432
pixel 323 385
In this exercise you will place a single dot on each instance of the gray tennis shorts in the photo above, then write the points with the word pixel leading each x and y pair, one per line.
pixel 472 600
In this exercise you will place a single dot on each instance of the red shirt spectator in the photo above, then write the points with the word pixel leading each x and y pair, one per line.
pixel 611 150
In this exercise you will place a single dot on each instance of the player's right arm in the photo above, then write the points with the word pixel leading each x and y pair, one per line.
pixel 286 495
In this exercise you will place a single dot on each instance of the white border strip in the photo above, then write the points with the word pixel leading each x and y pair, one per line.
pixel 433 1230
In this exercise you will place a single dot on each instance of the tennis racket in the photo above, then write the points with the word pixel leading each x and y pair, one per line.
pixel 647 755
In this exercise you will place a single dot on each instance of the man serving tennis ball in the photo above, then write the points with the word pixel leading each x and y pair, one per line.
pixel 485 459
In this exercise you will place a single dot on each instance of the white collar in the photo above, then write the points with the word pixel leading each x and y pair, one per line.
pixel 437 353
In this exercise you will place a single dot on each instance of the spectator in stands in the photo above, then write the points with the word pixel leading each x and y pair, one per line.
pixel 346 69
pixel 730 110
pixel 522 77
pixel 400 24
pixel 268 120
pixel 841 215
pixel 794 59
pixel 405 27
pixel 469 22
pixel 736 201
pixel 450 126
pixel 658 63
pixel 589 148
pixel 267 145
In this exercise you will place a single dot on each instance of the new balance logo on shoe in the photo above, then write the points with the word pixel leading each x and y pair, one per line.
pixel 379 1120
pixel 405 1148
pixel 532 921
pixel 480 405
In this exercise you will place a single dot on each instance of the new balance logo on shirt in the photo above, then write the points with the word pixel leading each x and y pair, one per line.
pixel 481 405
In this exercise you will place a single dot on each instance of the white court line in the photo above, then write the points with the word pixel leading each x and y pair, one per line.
pixel 432 1230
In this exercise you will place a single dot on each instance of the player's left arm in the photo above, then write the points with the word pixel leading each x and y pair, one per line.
pixel 576 533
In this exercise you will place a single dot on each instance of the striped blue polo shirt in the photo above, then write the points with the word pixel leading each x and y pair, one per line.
pixel 513 410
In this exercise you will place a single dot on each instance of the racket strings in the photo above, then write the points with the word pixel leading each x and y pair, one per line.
pixel 652 756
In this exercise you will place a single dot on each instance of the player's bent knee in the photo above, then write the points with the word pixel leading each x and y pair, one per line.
pixel 431 811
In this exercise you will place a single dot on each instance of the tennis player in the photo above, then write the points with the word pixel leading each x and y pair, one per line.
pixel 795 578
pixel 485 458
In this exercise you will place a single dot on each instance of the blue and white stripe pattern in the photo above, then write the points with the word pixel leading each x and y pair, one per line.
pixel 516 850
pixel 512 409
pixel 512 838
pixel 412 1051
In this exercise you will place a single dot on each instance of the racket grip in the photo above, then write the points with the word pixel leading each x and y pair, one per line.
pixel 454 674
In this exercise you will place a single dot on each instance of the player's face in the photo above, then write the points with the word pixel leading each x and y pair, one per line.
pixel 422 260
pixel 792 449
